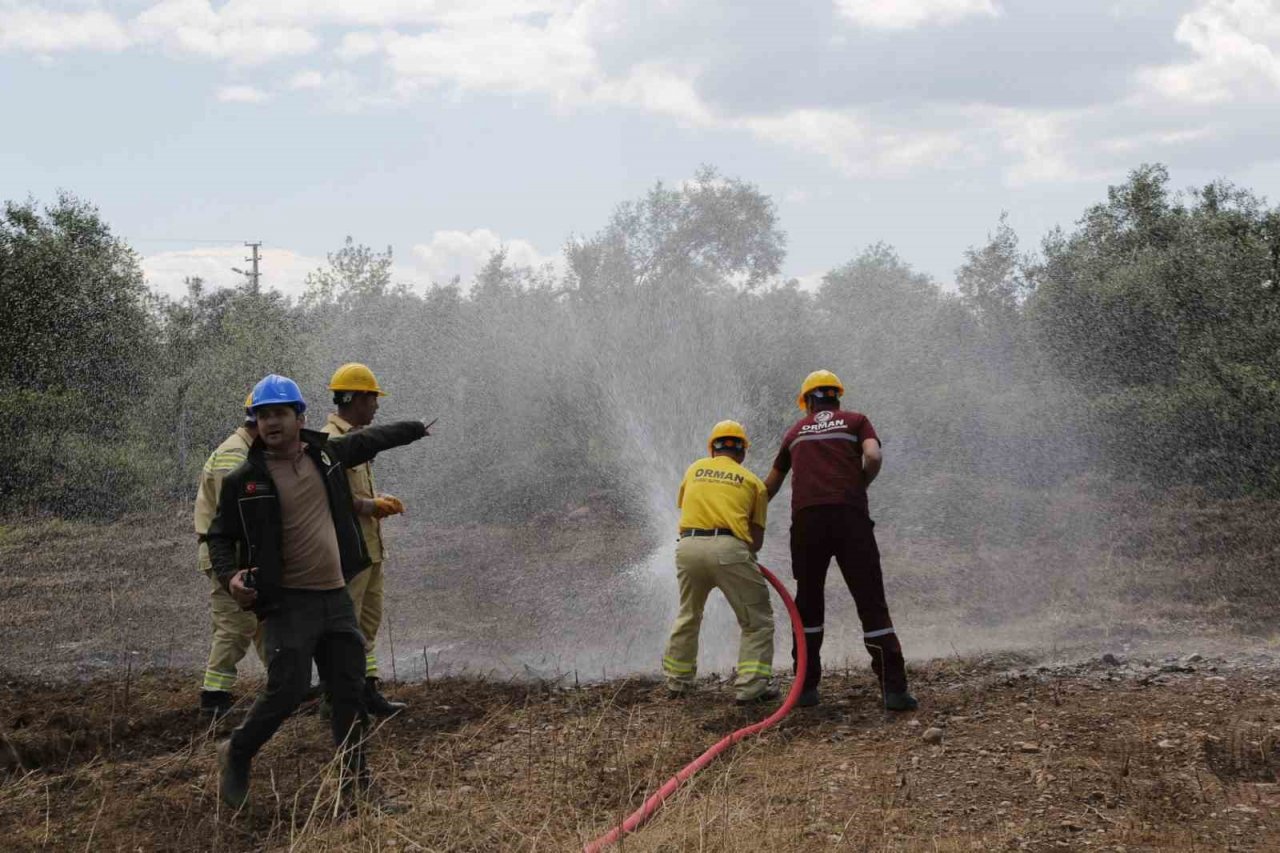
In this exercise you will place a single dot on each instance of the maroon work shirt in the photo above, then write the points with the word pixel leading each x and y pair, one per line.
pixel 825 449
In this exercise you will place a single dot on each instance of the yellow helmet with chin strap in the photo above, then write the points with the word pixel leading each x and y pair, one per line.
pixel 814 381
pixel 355 377
pixel 727 429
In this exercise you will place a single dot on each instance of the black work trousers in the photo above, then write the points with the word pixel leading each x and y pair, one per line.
pixel 310 625
pixel 845 532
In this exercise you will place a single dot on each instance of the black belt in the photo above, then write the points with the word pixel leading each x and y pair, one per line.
pixel 697 531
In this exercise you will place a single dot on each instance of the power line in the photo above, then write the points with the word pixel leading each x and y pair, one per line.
pixel 177 240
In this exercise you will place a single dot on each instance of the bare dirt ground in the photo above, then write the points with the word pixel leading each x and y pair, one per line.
pixel 522 746
pixel 1135 756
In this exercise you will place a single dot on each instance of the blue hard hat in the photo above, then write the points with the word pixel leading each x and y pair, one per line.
pixel 274 390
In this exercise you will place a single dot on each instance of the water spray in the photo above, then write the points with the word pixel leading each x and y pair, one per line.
pixel 641 815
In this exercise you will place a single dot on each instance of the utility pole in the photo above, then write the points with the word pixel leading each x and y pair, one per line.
pixel 252 273
pixel 253 276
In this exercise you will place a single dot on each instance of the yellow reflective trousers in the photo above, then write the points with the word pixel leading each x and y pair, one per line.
pixel 365 590
pixel 234 630
pixel 704 563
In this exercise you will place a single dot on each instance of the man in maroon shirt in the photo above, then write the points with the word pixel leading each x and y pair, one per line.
pixel 835 454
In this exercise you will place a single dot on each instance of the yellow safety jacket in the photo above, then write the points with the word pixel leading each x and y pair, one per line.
pixel 360 478
pixel 225 459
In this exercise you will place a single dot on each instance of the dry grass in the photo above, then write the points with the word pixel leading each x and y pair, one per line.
pixel 475 765
pixel 105 627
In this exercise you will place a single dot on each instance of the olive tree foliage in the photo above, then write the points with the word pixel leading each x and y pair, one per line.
pixel 1162 309
pixel 354 274
pixel 211 347
pixel 74 357
pixel 1143 343
pixel 995 281
pixel 708 232
pixel 550 385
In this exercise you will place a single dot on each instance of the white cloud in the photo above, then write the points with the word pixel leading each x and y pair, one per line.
pixel 388 13
pixel 1236 44
pixel 362 43
pixel 242 95
pixel 38 30
pixel 510 57
pixel 281 269
pixel 463 253
pixel 1139 142
pixel 687 59
pixel 195 27
pixel 658 89
pixel 1047 146
pixel 858 147
pixel 304 80
pixel 909 14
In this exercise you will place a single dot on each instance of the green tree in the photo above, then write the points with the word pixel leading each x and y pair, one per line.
pixel 1161 309
pixel 74 359
pixel 708 232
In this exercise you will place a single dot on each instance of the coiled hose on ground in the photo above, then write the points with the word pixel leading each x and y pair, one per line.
pixel 637 818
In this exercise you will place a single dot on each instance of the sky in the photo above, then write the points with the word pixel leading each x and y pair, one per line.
pixel 444 129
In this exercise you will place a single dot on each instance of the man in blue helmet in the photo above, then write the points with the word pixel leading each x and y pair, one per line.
pixel 285 543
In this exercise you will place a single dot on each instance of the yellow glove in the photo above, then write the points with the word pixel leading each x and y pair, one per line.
pixel 387 505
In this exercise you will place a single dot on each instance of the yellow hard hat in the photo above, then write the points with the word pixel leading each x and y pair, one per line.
pixel 355 377
pixel 727 429
pixel 818 379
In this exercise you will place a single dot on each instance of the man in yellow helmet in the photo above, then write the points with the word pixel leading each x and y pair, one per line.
pixel 723 507
pixel 355 393
pixel 835 454
pixel 233 629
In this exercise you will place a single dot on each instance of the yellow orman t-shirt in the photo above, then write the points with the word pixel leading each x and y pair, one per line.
pixel 718 492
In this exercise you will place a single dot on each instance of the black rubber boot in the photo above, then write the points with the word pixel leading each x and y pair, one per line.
pixel 233 776
pixel 215 704
pixel 903 701
pixel 356 778
pixel 808 698
pixel 377 704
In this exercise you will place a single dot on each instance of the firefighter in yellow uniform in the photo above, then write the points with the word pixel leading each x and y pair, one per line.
pixel 234 629
pixel 723 508
pixel 355 393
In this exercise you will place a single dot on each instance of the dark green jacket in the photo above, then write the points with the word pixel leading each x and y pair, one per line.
pixel 247 531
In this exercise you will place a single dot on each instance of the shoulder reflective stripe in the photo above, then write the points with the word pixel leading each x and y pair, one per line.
pixel 814 630
pixel 883 632
pixel 224 460
pixel 831 436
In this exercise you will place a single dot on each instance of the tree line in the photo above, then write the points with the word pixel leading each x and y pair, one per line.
pixel 1141 344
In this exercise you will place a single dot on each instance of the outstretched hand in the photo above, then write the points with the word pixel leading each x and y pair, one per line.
pixel 385 505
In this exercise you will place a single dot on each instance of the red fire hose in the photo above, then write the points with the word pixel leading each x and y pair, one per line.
pixel 651 805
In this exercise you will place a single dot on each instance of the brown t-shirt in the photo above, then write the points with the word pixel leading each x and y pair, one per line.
pixel 310 543
pixel 825 449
